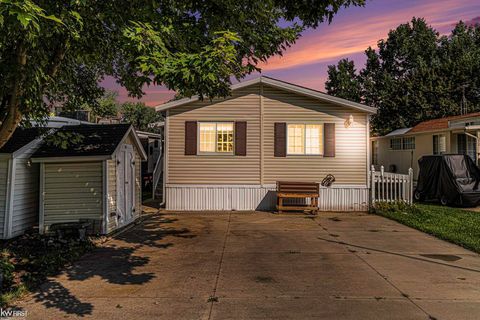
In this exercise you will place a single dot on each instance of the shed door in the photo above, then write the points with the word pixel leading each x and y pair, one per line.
pixel 125 184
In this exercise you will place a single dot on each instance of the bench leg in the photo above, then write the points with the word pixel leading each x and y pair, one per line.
pixel 280 204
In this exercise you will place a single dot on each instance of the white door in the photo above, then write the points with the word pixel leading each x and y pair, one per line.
pixel 125 185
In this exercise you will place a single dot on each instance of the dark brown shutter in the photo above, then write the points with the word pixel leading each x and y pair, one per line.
pixel 280 132
pixel 190 138
pixel 329 140
pixel 240 143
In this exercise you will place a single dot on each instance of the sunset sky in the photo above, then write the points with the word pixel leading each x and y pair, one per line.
pixel 351 32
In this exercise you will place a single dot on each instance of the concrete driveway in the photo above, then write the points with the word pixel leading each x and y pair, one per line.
pixel 265 266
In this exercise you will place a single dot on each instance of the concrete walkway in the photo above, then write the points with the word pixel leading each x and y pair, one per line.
pixel 264 266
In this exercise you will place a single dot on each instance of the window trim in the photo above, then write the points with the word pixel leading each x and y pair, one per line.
pixel 414 143
pixel 215 153
pixel 401 143
pixel 438 135
pixel 322 151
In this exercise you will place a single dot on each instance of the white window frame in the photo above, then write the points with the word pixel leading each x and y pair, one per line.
pixel 322 151
pixel 439 152
pixel 403 143
pixel 215 153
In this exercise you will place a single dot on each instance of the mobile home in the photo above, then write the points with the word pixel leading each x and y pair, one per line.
pixel 228 154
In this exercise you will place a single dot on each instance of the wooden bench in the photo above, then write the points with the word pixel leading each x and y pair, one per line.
pixel 297 190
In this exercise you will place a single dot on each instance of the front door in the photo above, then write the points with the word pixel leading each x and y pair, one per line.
pixel 125 185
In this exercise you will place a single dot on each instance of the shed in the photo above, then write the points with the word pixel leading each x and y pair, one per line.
pixel 97 179
pixel 19 182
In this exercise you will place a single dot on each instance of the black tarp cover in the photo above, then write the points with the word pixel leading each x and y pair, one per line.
pixel 453 177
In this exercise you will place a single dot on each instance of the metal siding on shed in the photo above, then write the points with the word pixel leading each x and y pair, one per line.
pixel 25 194
pixel 72 191
pixel 3 192
pixel 112 194
pixel 112 188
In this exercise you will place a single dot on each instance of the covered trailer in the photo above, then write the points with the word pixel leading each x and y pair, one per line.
pixel 451 179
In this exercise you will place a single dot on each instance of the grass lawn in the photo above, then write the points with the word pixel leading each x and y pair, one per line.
pixel 458 226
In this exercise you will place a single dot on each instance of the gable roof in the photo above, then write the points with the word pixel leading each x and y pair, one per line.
pixel 21 137
pixel 283 86
pixel 96 140
pixel 441 123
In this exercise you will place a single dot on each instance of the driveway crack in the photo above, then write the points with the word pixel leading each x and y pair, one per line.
pixel 213 298
pixel 406 296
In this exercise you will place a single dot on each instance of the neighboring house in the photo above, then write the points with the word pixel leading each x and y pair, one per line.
pixel 19 183
pixel 228 154
pixel 96 179
pixel 401 149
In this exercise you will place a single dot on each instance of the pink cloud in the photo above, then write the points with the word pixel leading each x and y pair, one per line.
pixel 352 34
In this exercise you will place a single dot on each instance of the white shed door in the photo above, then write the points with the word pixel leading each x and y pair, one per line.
pixel 125 184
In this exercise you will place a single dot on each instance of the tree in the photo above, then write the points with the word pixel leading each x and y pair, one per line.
pixel 415 75
pixel 139 115
pixel 343 81
pixel 106 106
pixel 57 51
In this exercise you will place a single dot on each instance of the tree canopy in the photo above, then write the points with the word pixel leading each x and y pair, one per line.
pixel 140 116
pixel 414 75
pixel 57 52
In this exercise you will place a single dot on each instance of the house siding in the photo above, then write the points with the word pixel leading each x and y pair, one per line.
pixel 405 159
pixel 25 194
pixel 244 105
pixel 228 182
pixel 349 163
pixel 72 191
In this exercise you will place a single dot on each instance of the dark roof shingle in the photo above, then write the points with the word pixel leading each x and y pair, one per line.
pixel 96 140
pixel 21 137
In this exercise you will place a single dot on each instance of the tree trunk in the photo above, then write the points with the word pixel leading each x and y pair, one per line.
pixel 10 123
pixel 14 115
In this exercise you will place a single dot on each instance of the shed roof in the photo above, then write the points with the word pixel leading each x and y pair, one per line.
pixel 21 137
pixel 96 140
pixel 398 132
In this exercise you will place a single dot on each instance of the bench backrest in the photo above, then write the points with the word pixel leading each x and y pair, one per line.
pixel 297 187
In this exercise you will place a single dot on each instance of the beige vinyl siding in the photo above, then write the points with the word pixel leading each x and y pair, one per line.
pixel 25 194
pixel 112 194
pixel 405 159
pixel 72 191
pixel 349 166
pixel 3 192
pixel 244 105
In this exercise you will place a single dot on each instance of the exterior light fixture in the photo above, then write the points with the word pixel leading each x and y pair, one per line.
pixel 349 122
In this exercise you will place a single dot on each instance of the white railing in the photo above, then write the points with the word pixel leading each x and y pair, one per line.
pixel 157 172
pixel 391 187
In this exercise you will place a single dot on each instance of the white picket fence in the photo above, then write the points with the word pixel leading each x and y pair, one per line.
pixel 390 187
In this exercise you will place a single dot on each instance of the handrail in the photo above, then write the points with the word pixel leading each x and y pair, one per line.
pixel 157 171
